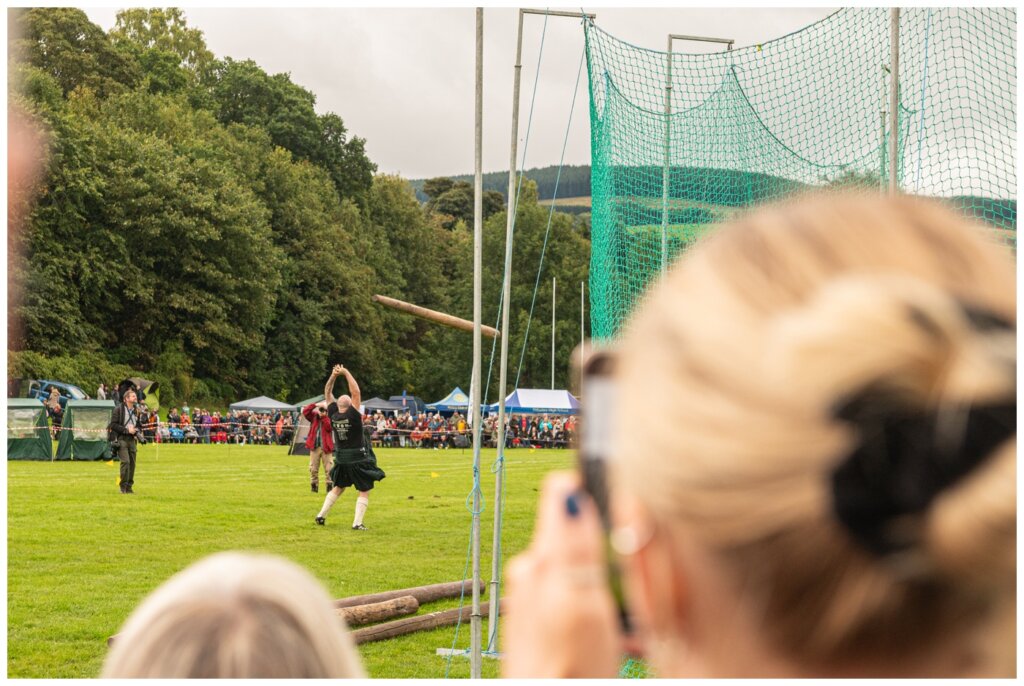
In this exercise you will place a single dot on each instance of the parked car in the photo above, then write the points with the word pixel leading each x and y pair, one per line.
pixel 40 388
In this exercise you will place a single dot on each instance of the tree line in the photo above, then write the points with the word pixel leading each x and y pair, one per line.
pixel 198 223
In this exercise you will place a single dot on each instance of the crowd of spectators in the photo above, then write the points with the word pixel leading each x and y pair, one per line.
pixel 240 427
pixel 435 431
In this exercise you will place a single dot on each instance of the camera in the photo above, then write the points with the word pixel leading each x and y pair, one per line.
pixel 596 420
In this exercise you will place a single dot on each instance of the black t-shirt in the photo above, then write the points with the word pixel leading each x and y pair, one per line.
pixel 348 427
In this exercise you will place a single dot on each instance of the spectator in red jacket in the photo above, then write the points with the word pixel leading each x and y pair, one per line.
pixel 320 443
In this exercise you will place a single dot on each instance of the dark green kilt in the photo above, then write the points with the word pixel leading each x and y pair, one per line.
pixel 356 467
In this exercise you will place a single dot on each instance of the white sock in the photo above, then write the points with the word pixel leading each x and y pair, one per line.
pixel 328 503
pixel 362 502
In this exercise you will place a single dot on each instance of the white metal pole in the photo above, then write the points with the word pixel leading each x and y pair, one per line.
pixel 495 586
pixel 665 175
pixel 475 624
pixel 494 589
pixel 881 136
pixel 554 285
pixel 894 101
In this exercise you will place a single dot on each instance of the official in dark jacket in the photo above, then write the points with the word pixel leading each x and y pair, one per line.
pixel 125 434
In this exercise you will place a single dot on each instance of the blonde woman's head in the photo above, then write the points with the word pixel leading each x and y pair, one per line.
pixel 235 615
pixel 756 345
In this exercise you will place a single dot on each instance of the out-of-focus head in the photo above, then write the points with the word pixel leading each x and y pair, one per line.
pixel 235 615
pixel 344 402
pixel 755 348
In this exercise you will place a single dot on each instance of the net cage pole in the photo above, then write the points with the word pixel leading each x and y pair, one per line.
pixel 894 100
pixel 474 392
pixel 883 119
pixel 494 588
pixel 666 170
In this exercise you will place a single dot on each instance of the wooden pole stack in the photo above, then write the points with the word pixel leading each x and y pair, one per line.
pixel 375 607
pixel 400 627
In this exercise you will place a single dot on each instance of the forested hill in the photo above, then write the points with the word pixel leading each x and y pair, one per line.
pixel 574 182
pixel 198 223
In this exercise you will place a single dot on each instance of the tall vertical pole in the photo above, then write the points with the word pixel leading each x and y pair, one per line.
pixel 894 101
pixel 475 661
pixel 668 157
pixel 499 473
pixel 882 151
pixel 554 284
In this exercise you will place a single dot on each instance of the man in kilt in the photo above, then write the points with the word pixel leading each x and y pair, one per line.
pixel 354 461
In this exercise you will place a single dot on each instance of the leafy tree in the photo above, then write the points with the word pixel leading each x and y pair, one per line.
pixel 166 31
pixel 63 43
pixel 454 200
pixel 243 93
pixel 162 74
pixel 345 160
pixel 435 188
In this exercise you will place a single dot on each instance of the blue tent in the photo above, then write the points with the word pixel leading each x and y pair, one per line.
pixel 538 401
pixel 456 401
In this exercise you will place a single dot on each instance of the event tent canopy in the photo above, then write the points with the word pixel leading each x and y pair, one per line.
pixel 261 404
pixel 28 435
pixel 83 433
pixel 455 401
pixel 412 403
pixel 539 401
pixel 374 404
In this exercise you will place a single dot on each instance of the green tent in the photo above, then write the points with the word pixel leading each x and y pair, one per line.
pixel 28 434
pixel 84 431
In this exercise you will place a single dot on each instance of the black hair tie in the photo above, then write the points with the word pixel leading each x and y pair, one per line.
pixel 902 462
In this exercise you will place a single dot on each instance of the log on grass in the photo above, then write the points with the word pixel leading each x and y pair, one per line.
pixel 400 627
pixel 422 594
pixel 378 612
pixel 434 315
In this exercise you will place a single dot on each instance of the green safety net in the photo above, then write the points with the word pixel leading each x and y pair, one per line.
pixel 634 668
pixel 738 128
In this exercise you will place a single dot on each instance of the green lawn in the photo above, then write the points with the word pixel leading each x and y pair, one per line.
pixel 80 556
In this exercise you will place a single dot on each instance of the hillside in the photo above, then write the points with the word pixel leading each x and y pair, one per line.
pixel 574 182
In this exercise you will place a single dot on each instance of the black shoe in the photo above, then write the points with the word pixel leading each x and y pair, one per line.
pixel 313 488
pixel 124 492
pixel 321 521
pixel 129 491
pixel 359 527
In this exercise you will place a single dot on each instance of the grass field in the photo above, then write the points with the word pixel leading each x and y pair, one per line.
pixel 81 556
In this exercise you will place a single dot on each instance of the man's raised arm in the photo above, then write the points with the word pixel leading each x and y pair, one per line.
pixel 353 388
pixel 329 387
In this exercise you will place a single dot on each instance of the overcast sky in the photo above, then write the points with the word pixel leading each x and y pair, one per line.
pixel 403 78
